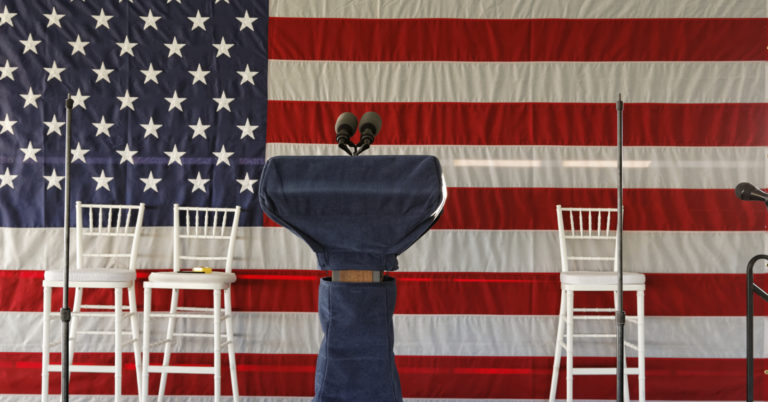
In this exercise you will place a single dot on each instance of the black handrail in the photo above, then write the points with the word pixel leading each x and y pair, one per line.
pixel 752 288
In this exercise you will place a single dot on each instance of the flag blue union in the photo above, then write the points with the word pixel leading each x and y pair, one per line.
pixel 170 104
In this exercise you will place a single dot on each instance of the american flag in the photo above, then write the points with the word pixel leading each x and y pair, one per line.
pixel 516 98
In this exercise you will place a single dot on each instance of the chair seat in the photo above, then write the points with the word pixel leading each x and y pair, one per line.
pixel 92 275
pixel 190 279
pixel 600 278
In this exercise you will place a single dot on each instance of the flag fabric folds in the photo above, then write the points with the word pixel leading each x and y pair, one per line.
pixel 184 100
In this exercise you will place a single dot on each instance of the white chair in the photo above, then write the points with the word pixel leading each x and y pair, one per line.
pixel 588 239
pixel 201 235
pixel 109 234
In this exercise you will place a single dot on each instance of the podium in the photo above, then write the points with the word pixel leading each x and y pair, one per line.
pixel 357 214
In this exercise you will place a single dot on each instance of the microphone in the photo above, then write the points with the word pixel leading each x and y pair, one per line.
pixel 370 125
pixel 346 124
pixel 748 192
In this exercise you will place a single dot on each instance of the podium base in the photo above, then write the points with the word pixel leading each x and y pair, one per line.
pixel 356 361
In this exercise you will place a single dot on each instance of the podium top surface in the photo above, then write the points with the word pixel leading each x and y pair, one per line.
pixel 354 212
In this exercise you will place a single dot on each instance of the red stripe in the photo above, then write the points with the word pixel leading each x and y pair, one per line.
pixel 691 39
pixel 434 293
pixel 421 377
pixel 742 124
pixel 645 209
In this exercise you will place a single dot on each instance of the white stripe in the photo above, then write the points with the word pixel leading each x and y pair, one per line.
pixel 438 251
pixel 432 335
pixel 654 82
pixel 513 9
pixel 574 166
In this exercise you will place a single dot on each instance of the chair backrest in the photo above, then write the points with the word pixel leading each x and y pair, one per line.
pixel 107 233
pixel 587 238
pixel 204 235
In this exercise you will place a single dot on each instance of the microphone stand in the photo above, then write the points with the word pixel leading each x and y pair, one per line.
pixel 66 313
pixel 620 316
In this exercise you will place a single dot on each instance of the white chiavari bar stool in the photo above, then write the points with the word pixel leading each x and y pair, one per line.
pixel 588 242
pixel 104 235
pixel 203 235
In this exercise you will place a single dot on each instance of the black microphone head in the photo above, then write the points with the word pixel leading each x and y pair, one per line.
pixel 346 123
pixel 747 192
pixel 370 121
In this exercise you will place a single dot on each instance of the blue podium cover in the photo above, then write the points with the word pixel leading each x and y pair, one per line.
pixel 354 212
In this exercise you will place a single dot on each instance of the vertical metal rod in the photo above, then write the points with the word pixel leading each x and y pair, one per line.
pixel 751 289
pixel 66 313
pixel 620 316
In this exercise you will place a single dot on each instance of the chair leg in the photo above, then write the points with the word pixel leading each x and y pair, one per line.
pixel 569 346
pixel 73 325
pixel 118 343
pixel 168 341
pixel 46 342
pixel 135 340
pixel 144 390
pixel 641 345
pixel 216 345
pixel 231 344
pixel 626 377
pixel 558 349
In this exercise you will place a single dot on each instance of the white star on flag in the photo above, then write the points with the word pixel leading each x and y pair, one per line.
pixel 246 21
pixel 30 152
pixel 223 102
pixel 150 74
pixel 198 183
pixel 246 183
pixel 30 98
pixel 30 45
pixel 175 102
pixel 54 126
pixel 54 18
pixel 175 156
pixel 150 128
pixel 198 21
pixel 78 46
pixel 54 71
pixel 7 71
pixel 79 153
pixel 223 156
pixel 199 128
pixel 150 20
pixel 7 124
pixel 6 17
pixel 126 101
pixel 102 20
pixel 126 155
pixel 150 182
pixel 6 179
pixel 126 46
pixel 247 75
pixel 79 99
pixel 199 75
pixel 102 181
pixel 103 127
pixel 102 73
pixel 53 180
pixel 174 48
pixel 247 129
pixel 223 48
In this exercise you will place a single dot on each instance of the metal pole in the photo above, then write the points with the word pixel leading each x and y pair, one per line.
pixel 66 313
pixel 620 316
pixel 752 288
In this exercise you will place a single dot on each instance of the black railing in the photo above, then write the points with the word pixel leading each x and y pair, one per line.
pixel 752 288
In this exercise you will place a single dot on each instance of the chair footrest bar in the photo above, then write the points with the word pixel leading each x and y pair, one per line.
pixel 603 370
pixel 181 369
pixel 82 368
pixel 594 317
pixel 594 310
pixel 594 335
pixel 180 315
